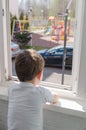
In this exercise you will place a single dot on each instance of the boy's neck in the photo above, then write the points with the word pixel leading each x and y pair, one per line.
pixel 35 82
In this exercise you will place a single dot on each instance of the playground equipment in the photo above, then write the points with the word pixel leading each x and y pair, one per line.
pixel 56 29
pixel 60 29
pixel 50 26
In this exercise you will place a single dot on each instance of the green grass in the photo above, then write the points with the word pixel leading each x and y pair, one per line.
pixel 37 48
pixel 36 28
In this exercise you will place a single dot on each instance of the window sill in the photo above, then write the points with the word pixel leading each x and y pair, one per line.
pixel 65 105
pixel 69 107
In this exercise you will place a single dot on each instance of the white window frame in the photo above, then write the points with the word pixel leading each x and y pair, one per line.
pixel 5 52
pixel 79 62
pixel 2 71
pixel 78 89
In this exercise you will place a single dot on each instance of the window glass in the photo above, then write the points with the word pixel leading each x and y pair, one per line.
pixel 60 51
pixel 69 51
pixel 52 51
pixel 47 27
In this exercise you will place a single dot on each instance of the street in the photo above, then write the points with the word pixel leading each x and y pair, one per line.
pixel 52 74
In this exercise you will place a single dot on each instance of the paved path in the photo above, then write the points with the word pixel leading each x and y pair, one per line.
pixel 39 39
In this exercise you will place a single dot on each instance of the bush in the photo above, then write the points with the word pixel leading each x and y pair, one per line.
pixel 23 39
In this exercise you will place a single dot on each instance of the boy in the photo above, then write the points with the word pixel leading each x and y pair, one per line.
pixel 26 98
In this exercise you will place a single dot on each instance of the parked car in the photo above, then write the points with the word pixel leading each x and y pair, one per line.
pixel 14 49
pixel 54 56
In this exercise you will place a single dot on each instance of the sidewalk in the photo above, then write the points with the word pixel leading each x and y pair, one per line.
pixel 39 39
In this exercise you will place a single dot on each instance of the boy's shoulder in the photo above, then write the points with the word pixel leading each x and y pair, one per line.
pixel 14 84
pixel 46 94
pixel 42 89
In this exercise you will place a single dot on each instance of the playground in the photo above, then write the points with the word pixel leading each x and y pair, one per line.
pixel 49 34
pixel 39 39
pixel 53 33
pixel 55 30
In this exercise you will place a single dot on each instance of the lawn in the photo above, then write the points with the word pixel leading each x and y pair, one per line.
pixel 37 48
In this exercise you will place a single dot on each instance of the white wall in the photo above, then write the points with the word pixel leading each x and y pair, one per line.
pixel 14 6
pixel 3 114
pixel 52 120
pixel 59 121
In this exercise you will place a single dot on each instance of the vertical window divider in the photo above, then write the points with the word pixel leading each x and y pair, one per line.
pixel 2 62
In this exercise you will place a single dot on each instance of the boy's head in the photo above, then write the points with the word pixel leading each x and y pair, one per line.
pixel 28 65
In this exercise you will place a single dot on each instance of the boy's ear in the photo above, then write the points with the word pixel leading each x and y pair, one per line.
pixel 39 75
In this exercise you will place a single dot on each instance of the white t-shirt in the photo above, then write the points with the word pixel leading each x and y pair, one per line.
pixel 25 111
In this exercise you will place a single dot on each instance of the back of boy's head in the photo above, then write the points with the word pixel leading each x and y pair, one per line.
pixel 28 64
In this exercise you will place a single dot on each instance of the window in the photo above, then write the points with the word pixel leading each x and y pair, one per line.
pixel 45 41
pixel 69 51
pixel 79 62
pixel 55 51
pixel 60 51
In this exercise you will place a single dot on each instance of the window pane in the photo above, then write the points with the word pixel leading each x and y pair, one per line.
pixel 69 51
pixel 60 51
pixel 47 27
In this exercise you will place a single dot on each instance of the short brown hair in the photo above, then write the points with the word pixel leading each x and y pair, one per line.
pixel 28 64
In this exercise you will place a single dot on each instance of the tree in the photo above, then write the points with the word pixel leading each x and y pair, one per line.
pixel 26 17
pixel 73 6
pixel 21 17
pixel 49 7
pixel 12 18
